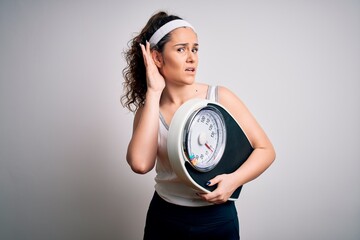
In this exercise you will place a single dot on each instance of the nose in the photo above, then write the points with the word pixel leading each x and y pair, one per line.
pixel 191 57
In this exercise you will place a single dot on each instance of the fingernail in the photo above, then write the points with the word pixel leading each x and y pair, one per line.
pixel 208 183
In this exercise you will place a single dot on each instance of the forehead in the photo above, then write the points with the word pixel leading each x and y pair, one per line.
pixel 183 35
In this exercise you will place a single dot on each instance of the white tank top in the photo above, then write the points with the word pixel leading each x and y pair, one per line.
pixel 168 185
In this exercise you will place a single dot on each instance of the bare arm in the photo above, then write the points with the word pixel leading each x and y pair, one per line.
pixel 142 149
pixel 264 153
pixel 259 160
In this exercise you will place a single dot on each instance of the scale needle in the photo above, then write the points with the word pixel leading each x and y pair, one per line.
pixel 209 147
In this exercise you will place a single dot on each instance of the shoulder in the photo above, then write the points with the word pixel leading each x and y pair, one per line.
pixel 227 97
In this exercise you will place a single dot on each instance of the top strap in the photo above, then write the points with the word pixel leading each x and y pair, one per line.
pixel 212 93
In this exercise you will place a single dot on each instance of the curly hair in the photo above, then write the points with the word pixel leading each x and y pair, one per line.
pixel 134 73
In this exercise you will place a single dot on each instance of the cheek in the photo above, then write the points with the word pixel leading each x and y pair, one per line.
pixel 172 63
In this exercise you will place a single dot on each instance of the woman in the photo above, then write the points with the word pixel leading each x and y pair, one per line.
pixel 160 76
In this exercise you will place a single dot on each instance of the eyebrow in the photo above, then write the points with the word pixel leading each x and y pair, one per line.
pixel 185 44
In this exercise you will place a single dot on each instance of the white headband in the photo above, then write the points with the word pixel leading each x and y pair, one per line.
pixel 166 28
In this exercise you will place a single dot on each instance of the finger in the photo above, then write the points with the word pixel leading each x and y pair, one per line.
pixel 217 200
pixel 142 47
pixel 211 197
pixel 148 54
pixel 143 50
pixel 146 51
pixel 148 48
pixel 214 181
pixel 216 197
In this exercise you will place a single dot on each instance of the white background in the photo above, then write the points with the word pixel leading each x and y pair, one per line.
pixel 64 133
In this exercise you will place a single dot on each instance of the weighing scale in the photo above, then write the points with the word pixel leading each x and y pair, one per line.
pixel 204 141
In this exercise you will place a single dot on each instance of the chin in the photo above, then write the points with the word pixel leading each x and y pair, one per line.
pixel 189 81
pixel 185 80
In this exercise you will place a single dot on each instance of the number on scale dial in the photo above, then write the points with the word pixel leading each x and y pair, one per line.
pixel 205 136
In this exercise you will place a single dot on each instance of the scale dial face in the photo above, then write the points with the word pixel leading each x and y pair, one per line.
pixel 205 137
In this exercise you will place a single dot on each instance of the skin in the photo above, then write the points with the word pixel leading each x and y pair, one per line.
pixel 171 82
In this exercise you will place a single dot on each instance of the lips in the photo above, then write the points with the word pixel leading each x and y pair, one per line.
pixel 190 69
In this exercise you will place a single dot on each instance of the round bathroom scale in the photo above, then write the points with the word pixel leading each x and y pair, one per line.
pixel 204 141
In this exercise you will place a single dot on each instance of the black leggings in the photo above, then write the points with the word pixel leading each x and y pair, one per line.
pixel 169 221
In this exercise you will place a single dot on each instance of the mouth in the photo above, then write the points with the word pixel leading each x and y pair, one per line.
pixel 190 69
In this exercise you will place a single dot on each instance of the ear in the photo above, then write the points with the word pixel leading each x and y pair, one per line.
pixel 157 57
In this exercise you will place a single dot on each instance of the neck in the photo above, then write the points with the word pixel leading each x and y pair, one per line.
pixel 177 95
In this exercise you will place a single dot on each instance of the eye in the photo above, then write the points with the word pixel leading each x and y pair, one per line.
pixel 195 50
pixel 181 50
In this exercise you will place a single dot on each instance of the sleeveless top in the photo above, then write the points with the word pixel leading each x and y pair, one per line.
pixel 168 185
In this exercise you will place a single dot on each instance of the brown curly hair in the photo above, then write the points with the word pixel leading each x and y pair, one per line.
pixel 134 73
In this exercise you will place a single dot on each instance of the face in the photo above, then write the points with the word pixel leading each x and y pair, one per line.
pixel 179 60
